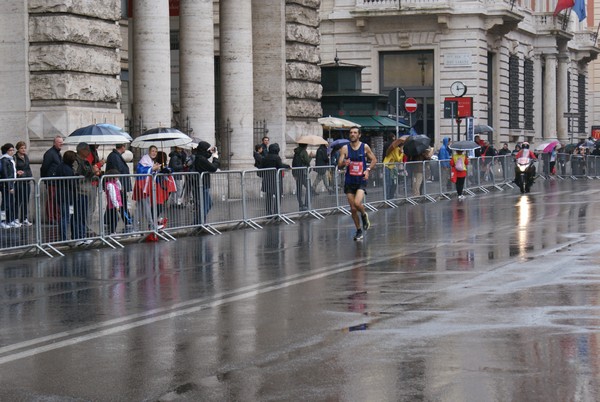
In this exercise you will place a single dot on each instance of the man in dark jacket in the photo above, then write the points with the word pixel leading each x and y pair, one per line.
pixel 84 191
pixel 115 161
pixel 322 160
pixel 269 184
pixel 206 161
pixel 50 162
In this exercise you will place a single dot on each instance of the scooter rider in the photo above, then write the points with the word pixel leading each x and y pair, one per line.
pixel 525 152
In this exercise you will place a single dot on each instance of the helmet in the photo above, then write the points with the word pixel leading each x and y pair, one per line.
pixel 525 145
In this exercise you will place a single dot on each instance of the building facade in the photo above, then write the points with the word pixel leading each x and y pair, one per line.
pixel 212 69
pixel 523 67
pixel 216 68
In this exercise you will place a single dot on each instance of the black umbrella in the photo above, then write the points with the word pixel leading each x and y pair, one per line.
pixel 415 145
pixel 482 128
pixel 464 145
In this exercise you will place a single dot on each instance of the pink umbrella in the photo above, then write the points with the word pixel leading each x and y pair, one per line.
pixel 550 147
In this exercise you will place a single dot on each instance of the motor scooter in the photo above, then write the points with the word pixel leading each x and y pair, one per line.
pixel 525 168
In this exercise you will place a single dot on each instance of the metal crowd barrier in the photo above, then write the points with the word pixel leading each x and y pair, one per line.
pixel 69 212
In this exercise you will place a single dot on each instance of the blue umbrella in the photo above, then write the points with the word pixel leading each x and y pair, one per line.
pixel 98 134
pixel 337 144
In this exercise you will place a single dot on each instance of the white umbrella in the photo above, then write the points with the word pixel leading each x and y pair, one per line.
pixel 161 138
pixel 336 122
pixel 311 140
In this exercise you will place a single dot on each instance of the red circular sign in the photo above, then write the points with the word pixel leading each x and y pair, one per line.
pixel 410 104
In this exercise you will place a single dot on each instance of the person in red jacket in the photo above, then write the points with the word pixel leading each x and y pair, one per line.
pixel 525 152
pixel 459 162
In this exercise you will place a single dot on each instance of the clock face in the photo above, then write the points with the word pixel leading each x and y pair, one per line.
pixel 458 88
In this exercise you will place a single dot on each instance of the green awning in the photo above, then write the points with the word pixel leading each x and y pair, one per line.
pixel 387 122
pixel 375 122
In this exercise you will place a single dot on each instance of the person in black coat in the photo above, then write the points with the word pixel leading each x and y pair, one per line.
pixel 322 160
pixel 269 184
pixel 115 161
pixel 50 162
pixel 65 192
pixel 177 160
pixel 22 187
pixel 258 155
pixel 206 161
pixel 8 172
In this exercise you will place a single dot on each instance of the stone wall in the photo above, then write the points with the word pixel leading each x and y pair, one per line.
pixel 74 66
pixel 77 39
pixel 303 74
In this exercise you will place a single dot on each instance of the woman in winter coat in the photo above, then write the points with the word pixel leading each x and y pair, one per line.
pixel 22 187
pixel 8 174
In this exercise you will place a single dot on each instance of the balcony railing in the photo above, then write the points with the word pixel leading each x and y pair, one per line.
pixel 397 4
pixel 414 4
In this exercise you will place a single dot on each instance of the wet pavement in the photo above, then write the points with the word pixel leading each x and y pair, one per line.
pixel 492 298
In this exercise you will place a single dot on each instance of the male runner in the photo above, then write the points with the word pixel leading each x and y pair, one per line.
pixel 354 158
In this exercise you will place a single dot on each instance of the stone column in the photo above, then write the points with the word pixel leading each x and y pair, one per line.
pixel 537 97
pixel 151 63
pixel 269 63
pixel 550 97
pixel 237 88
pixel 196 68
pixel 562 97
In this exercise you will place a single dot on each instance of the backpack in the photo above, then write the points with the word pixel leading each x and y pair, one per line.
pixel 459 164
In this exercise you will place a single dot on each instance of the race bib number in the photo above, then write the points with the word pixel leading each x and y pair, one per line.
pixel 356 168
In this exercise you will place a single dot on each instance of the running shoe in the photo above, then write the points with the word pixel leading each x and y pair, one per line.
pixel 365 221
pixel 358 235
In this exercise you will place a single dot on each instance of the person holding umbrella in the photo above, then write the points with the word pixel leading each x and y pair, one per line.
pixel 353 157
pixel 142 191
pixel 459 162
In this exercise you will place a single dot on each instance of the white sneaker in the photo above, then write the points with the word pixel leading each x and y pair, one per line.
pixel 17 221
pixel 14 224
pixel 4 225
pixel 27 223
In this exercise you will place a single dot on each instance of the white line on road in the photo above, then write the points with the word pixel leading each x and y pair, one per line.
pixel 165 313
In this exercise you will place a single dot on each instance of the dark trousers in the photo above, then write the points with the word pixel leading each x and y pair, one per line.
pixel 65 221
pixel 8 203
pixel 301 188
pixel 52 209
pixel 80 210
pixel 460 185
pixel 22 192
pixel 112 218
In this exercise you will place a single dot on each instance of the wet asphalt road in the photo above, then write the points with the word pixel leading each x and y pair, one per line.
pixel 495 298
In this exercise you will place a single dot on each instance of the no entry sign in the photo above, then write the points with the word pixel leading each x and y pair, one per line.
pixel 410 104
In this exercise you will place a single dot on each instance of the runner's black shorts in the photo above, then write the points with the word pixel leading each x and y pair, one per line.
pixel 353 188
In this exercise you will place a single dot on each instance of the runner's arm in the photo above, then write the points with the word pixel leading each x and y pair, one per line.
pixel 371 157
